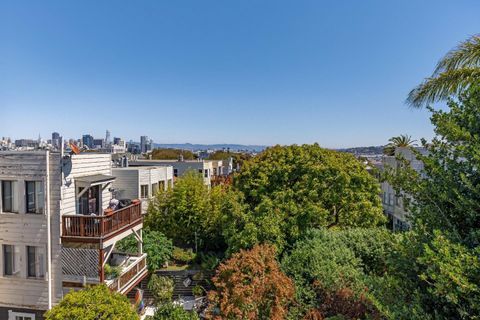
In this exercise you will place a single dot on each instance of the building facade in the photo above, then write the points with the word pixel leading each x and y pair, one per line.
pixel 58 228
pixel 180 167
pixel 393 203
pixel 141 182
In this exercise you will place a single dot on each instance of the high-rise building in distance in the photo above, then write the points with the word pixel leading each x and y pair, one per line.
pixel 87 140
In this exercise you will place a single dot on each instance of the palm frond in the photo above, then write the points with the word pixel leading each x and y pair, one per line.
pixel 389 150
pixel 465 55
pixel 440 87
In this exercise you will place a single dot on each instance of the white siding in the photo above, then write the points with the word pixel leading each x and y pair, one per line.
pixel 129 181
pixel 126 182
pixel 30 229
pixel 85 165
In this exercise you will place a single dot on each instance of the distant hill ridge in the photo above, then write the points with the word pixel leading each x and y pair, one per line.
pixel 192 147
pixel 370 150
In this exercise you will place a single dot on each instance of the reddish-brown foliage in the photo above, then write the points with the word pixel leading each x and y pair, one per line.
pixel 250 285
pixel 342 302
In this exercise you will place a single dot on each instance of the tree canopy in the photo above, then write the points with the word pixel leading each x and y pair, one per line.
pixel 250 285
pixel 190 214
pixel 447 192
pixel 158 247
pixel 93 303
pixel 289 189
pixel 172 154
pixel 400 141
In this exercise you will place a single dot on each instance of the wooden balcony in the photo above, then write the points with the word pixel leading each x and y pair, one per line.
pixel 82 228
pixel 130 275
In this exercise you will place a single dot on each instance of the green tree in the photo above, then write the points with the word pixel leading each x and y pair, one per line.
pixel 287 190
pixel 451 274
pixel 331 269
pixel 158 248
pixel 457 71
pixel 400 141
pixel 93 303
pixel 171 154
pixel 191 213
pixel 170 311
pixel 447 192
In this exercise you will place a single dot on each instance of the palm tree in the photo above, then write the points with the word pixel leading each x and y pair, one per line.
pixel 458 70
pixel 400 141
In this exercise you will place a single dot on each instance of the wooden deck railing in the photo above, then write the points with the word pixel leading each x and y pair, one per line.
pixel 80 226
pixel 136 268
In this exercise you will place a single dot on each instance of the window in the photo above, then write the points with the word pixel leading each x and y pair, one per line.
pixel 200 171
pixel 144 191
pixel 35 262
pixel 162 185
pixel 11 260
pixel 20 315
pixel 9 196
pixel 175 172
pixel 214 171
pixel 206 173
pixel 154 188
pixel 34 196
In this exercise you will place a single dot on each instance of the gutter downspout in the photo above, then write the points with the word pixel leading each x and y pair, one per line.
pixel 49 232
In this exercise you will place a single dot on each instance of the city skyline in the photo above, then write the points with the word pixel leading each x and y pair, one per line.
pixel 249 73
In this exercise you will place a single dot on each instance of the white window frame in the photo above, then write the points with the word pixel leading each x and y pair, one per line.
pixel 142 195
pixel 12 315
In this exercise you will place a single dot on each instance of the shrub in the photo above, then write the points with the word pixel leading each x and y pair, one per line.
pixel 92 303
pixel 183 255
pixel 170 311
pixel 111 272
pixel 155 244
pixel 198 291
pixel 161 289
pixel 209 261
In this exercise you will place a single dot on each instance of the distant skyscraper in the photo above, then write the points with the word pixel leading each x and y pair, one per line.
pixel 143 144
pixel 56 140
pixel 87 140
pixel 107 138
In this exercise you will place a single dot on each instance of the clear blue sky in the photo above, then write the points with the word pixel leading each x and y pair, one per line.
pixel 252 72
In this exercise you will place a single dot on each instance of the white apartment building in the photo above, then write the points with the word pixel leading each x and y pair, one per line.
pixel 393 205
pixel 205 167
pixel 141 182
pixel 58 230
